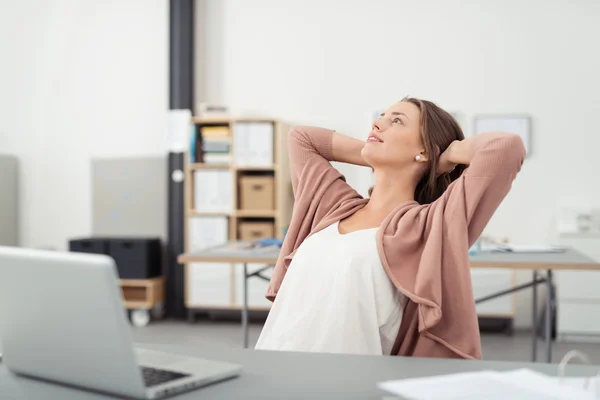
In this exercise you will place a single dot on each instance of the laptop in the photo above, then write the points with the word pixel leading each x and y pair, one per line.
pixel 62 319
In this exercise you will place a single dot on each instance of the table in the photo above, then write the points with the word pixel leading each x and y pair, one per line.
pixel 569 259
pixel 290 376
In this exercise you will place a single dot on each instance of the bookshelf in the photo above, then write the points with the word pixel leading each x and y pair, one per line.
pixel 246 161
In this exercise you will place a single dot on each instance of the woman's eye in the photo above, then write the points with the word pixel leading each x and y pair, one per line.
pixel 397 121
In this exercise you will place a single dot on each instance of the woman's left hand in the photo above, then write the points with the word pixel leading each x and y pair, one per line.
pixel 458 153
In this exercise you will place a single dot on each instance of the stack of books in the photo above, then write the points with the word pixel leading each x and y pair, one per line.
pixel 216 144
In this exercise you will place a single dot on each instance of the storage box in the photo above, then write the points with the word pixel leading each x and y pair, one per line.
pixel 89 245
pixel 136 258
pixel 250 231
pixel 257 193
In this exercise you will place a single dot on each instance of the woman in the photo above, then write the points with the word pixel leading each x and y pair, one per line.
pixel 388 274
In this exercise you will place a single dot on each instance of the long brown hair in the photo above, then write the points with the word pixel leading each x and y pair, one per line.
pixel 438 130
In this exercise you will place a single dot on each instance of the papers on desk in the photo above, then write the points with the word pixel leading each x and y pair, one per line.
pixel 522 384
pixel 592 387
pixel 243 248
pixel 522 248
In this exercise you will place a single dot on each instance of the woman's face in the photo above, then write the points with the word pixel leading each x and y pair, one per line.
pixel 395 138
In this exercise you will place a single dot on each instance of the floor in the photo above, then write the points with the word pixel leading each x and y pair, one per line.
pixel 495 347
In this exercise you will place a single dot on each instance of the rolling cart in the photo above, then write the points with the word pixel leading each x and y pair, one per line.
pixel 144 298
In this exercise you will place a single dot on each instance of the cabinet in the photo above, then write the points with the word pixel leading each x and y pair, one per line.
pixel 578 294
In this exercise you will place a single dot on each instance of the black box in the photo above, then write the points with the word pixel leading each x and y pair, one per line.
pixel 89 245
pixel 136 258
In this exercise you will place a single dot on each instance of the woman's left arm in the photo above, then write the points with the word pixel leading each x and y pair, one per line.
pixel 494 159
pixel 485 154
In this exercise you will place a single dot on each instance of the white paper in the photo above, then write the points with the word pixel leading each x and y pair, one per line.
pixel 593 384
pixel 490 385
pixel 522 248
pixel 179 129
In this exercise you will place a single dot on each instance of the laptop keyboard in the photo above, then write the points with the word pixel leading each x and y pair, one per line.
pixel 155 377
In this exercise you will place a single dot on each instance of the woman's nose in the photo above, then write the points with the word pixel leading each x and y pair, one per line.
pixel 376 126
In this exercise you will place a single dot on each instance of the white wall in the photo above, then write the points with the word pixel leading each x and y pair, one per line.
pixel 332 63
pixel 79 80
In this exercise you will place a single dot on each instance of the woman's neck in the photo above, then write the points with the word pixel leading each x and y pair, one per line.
pixel 391 189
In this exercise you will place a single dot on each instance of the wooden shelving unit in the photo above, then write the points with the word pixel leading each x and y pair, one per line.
pixel 279 215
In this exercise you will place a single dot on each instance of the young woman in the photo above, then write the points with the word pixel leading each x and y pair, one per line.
pixel 388 274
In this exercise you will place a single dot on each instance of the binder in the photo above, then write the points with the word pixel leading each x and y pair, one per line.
pixel 253 144
pixel 213 191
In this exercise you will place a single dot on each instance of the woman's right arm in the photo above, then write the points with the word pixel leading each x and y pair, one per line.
pixel 312 148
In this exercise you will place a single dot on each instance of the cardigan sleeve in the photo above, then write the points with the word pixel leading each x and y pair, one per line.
pixel 496 160
pixel 310 151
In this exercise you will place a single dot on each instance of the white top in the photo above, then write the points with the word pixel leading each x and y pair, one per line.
pixel 335 298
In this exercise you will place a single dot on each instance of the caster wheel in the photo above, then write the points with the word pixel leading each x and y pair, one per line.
pixel 140 318
pixel 191 316
pixel 158 311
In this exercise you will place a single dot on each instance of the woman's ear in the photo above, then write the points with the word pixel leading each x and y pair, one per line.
pixel 421 157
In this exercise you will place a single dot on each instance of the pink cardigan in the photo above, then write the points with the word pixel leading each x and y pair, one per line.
pixel 423 248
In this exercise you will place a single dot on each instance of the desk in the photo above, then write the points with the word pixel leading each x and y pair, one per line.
pixel 282 375
pixel 570 259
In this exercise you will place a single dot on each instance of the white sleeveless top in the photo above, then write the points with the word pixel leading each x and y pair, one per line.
pixel 335 298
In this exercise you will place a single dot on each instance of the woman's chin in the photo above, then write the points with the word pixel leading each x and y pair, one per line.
pixel 369 156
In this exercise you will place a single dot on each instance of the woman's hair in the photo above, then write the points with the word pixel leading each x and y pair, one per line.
pixel 438 130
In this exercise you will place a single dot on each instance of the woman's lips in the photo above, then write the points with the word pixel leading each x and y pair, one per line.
pixel 374 138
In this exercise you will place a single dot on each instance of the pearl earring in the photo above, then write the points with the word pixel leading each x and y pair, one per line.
pixel 418 158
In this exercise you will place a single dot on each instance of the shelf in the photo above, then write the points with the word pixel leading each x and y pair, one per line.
pixel 224 120
pixel 225 307
pixel 197 166
pixel 194 213
pixel 250 169
pixel 256 213
pixel 139 305
pixel 186 259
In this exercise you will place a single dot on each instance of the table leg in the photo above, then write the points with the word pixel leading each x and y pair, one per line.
pixel 245 327
pixel 534 319
pixel 548 330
